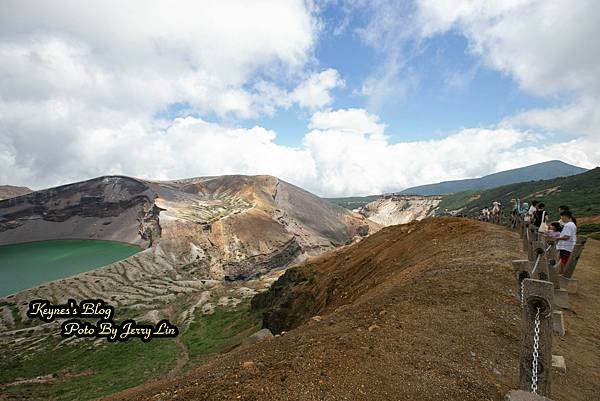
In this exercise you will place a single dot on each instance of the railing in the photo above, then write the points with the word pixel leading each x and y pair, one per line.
pixel 543 293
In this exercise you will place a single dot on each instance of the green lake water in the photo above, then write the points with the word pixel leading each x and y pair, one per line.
pixel 27 265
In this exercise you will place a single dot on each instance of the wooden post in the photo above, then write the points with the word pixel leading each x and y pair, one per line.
pixel 537 295
pixel 570 266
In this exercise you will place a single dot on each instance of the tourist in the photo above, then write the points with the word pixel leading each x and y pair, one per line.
pixel 529 214
pixel 554 230
pixel 540 216
pixel 532 208
pixel 564 208
pixel 565 242
pixel 524 208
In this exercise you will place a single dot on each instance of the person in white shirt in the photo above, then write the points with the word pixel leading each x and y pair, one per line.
pixel 567 239
pixel 529 212
pixel 532 208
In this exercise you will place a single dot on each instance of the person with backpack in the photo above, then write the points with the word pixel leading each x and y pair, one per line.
pixel 540 218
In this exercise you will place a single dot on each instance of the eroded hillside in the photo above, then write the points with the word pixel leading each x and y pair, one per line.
pixel 400 209
pixel 211 243
pixel 424 311
pixel 414 312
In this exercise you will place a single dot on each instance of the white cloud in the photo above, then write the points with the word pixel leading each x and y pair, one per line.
pixel 81 83
pixel 546 45
pixel 314 92
pixel 357 121
pixel 346 152
pixel 143 55
pixel 582 117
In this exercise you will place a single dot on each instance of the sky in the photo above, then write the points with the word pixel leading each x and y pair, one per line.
pixel 340 97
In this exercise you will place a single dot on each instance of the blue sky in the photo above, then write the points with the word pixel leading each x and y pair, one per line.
pixel 449 88
pixel 341 97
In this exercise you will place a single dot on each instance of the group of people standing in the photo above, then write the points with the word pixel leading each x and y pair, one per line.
pixel 563 230
pixel 491 214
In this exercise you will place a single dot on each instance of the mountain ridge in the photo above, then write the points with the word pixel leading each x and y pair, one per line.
pixel 538 171
pixel 12 191
pixel 581 192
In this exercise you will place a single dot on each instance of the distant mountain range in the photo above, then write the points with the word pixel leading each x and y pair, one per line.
pixel 540 171
pixel 580 192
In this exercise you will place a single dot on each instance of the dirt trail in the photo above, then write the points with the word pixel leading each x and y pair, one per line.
pixel 581 344
pixel 424 311
pixel 182 359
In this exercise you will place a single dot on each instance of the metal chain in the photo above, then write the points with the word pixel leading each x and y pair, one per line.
pixel 522 291
pixel 536 346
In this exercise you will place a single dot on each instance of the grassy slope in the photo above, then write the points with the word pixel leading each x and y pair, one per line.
pixel 108 368
pixel 220 331
pixel 580 192
pixel 112 367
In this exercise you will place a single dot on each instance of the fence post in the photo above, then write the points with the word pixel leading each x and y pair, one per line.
pixel 570 266
pixel 553 273
pixel 522 270
pixel 535 362
pixel 525 235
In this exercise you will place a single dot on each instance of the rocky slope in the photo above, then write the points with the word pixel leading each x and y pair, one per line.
pixel 400 209
pixel 207 242
pixel 382 319
pixel 11 191
pixel 421 311
pixel 111 208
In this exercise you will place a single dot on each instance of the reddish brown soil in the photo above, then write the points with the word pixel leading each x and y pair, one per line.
pixel 424 311
pixel 588 220
pixel 581 345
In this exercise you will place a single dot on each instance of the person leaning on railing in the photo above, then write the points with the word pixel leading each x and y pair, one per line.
pixel 565 242
pixel 564 208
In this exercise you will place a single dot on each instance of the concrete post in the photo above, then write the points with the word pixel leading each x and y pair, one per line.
pixel 569 284
pixel 520 226
pixel 538 294
pixel 551 249
pixel 542 272
pixel 525 236
pixel 532 240
pixel 553 273
pixel 522 270
pixel 570 266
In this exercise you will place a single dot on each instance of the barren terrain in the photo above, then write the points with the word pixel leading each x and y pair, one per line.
pixel 211 244
pixel 425 311
pixel 400 209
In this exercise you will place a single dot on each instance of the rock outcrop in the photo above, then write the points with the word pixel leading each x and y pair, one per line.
pixel 11 191
pixel 400 209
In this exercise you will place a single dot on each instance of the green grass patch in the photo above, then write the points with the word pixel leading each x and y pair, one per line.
pixel 220 331
pixel 112 367
pixel 591 228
